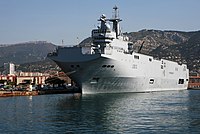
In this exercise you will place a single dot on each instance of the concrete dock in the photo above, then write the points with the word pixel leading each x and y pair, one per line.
pixel 17 93
pixel 11 93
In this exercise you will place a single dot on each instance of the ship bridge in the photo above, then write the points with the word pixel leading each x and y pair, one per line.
pixel 105 37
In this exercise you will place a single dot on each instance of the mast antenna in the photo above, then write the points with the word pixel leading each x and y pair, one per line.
pixel 62 42
pixel 116 21
pixel 116 12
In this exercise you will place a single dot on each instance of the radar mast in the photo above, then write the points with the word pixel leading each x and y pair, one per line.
pixel 116 12
pixel 115 20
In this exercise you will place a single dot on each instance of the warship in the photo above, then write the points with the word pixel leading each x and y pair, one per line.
pixel 111 65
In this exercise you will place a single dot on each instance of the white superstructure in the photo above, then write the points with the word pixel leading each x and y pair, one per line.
pixel 110 64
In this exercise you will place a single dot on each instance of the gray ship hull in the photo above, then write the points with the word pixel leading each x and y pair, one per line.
pixel 102 74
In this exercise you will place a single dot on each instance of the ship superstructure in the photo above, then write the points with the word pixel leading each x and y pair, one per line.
pixel 110 64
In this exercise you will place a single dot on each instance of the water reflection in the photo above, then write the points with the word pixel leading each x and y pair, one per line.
pixel 159 112
pixel 125 112
pixel 194 109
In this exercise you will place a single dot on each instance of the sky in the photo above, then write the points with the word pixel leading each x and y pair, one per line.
pixel 73 20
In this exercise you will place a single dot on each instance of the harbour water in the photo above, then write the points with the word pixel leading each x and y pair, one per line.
pixel 157 112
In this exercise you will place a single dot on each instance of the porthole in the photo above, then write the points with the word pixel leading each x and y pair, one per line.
pixel 151 81
pixel 108 66
pixel 103 65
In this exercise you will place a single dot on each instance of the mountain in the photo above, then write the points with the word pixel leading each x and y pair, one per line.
pixel 156 38
pixel 25 52
pixel 182 47
pixel 44 66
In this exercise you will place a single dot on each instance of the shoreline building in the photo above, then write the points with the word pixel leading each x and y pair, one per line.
pixel 194 81
pixel 9 69
pixel 25 78
pixel 31 77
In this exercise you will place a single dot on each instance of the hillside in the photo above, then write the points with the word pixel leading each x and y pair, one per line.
pixel 182 47
pixel 25 52
pixel 44 66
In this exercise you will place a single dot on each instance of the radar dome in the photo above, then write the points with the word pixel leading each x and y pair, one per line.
pixel 103 16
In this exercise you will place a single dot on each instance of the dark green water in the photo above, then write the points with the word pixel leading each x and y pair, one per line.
pixel 158 112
